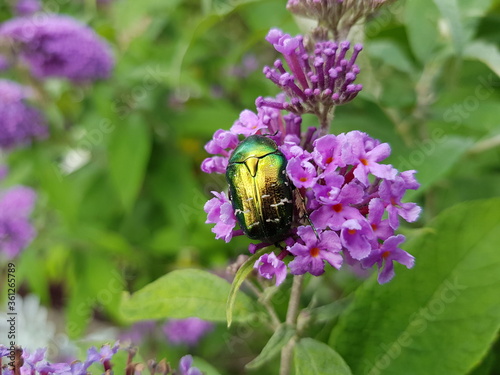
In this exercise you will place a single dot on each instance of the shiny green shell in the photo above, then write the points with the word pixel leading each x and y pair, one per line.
pixel 259 188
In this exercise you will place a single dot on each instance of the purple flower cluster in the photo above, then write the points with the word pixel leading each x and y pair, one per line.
pixel 19 122
pixel 16 232
pixel 4 63
pixel 59 46
pixel 186 331
pixel 36 364
pixel 316 81
pixel 27 7
pixel 353 200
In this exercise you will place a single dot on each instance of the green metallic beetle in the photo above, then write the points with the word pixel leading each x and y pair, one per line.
pixel 259 189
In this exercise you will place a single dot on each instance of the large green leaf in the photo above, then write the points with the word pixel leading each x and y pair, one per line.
pixel 433 159
pixel 440 317
pixel 129 151
pixel 183 294
pixel 313 357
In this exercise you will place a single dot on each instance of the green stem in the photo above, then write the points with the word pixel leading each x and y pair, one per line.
pixel 485 145
pixel 275 321
pixel 291 319
pixel 325 120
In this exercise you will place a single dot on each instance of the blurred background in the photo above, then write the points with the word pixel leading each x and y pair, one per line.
pixel 119 189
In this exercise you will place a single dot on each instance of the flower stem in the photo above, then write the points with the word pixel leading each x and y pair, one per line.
pixel 291 319
pixel 325 119
pixel 275 321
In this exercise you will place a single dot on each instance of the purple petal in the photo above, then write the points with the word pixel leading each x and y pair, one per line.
pixel 335 259
pixel 386 273
pixel 299 266
pixel 379 153
pixel 316 266
pixel 306 233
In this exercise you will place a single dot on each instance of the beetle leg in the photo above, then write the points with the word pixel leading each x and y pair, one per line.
pixel 301 204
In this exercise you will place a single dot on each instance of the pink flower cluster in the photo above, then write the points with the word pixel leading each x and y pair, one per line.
pixel 354 201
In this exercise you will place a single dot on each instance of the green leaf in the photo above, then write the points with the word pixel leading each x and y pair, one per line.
pixel 183 294
pixel 240 276
pixel 391 54
pixel 422 27
pixel 440 317
pixel 129 151
pixel 61 192
pixel 432 159
pixel 487 53
pixel 277 341
pixel 327 313
pixel 204 366
pixel 450 12
pixel 312 357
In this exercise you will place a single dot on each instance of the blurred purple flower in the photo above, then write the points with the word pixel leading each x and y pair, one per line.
pixel 4 63
pixel 186 331
pixel 248 65
pixel 16 232
pixel 59 46
pixel 4 171
pixel 185 366
pixel 36 364
pixel 137 332
pixel 19 122
pixel 27 7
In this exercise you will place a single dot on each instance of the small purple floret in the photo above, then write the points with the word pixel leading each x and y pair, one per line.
pixel 268 265
pixel 386 255
pixel 220 212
